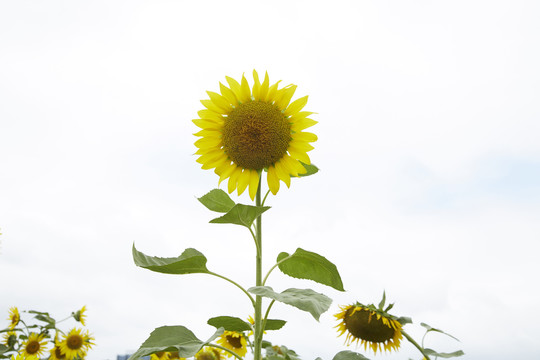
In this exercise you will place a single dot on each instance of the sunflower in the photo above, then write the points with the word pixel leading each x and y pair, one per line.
pixel 209 353
pixel 14 317
pixel 80 316
pixel 10 338
pixel 234 341
pixel 160 355
pixel 56 353
pixel 246 130
pixel 34 346
pixel 76 344
pixel 369 326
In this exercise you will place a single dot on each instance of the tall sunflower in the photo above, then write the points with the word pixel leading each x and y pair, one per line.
pixel 369 326
pixel 76 343
pixel 34 346
pixel 246 130
pixel 234 341
pixel 14 317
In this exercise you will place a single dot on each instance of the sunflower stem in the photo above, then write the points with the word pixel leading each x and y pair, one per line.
pixel 411 340
pixel 234 283
pixel 226 350
pixel 258 279
pixel 273 267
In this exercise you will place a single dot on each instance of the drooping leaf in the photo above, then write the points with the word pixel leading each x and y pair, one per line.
pixel 241 214
pixel 190 262
pixel 429 328
pixel 309 265
pixel 303 299
pixel 173 338
pixel 43 316
pixel 349 355
pixel 229 323
pixel 217 200
pixel 311 169
pixel 444 355
pixel 403 320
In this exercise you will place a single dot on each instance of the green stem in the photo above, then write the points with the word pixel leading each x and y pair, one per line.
pixel 411 340
pixel 273 267
pixel 227 350
pixel 258 278
pixel 265 196
pixel 234 283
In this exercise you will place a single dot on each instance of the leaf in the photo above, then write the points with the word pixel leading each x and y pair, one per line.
pixel 229 323
pixel 190 262
pixel 43 316
pixel 274 324
pixel 403 320
pixel 383 301
pixel 310 169
pixel 444 355
pixel 429 328
pixel 309 265
pixel 349 355
pixel 241 214
pixel 217 200
pixel 173 338
pixel 303 299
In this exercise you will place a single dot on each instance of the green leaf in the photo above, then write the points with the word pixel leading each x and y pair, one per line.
pixel 173 338
pixel 43 316
pixel 429 328
pixel 190 262
pixel 217 200
pixel 241 214
pixel 303 299
pixel 444 355
pixel 349 355
pixel 311 169
pixel 229 323
pixel 383 301
pixel 309 265
pixel 274 324
pixel 403 320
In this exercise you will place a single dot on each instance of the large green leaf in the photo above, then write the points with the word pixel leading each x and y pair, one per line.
pixel 217 200
pixel 303 299
pixel 310 169
pixel 241 214
pixel 190 262
pixel 229 323
pixel 309 265
pixel 349 355
pixel 173 338
pixel 274 324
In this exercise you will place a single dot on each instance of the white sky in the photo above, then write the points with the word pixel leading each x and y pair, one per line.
pixel 428 148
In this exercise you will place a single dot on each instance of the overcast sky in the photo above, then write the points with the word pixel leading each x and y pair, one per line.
pixel 428 147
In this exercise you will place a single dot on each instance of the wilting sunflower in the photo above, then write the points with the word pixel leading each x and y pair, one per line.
pixel 234 341
pixel 369 326
pixel 34 346
pixel 80 316
pixel 14 317
pixel 209 353
pixel 76 343
pixel 246 130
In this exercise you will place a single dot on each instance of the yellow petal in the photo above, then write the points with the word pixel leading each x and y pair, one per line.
pixel 235 87
pixel 228 94
pixel 210 115
pixel 272 90
pixel 273 180
pixel 283 173
pixel 296 106
pixel 209 104
pixel 245 92
pixel 253 184
pixel 220 101
pixel 224 171
pixel 215 163
pixel 301 146
pixel 301 124
pixel 298 154
pixel 210 156
pixel 209 133
pixel 293 166
pixel 205 143
pixel 207 124
pixel 234 179
pixel 283 96
pixel 243 181
pixel 304 136
pixel 256 86
pixel 264 87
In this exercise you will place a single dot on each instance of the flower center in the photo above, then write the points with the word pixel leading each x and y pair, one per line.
pixel 364 325
pixel 32 347
pixel 234 341
pixel 256 134
pixel 74 342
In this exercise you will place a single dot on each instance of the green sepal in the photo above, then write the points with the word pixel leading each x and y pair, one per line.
pixel 429 328
pixel 190 262
pixel 241 214
pixel 310 169
pixel 349 355
pixel 173 338
pixel 309 265
pixel 432 352
pixel 303 299
pixel 217 200
pixel 229 323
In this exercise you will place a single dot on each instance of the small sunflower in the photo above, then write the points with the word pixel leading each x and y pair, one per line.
pixel 209 353
pixel 10 338
pixel 234 341
pixel 80 315
pixel 56 353
pixel 76 343
pixel 14 317
pixel 34 346
pixel 369 326
pixel 249 129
